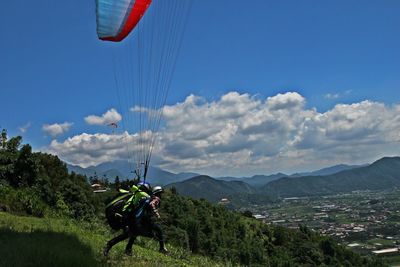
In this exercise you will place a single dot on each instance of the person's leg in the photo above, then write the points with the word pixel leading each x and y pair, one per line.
pixel 160 237
pixel 128 248
pixel 114 241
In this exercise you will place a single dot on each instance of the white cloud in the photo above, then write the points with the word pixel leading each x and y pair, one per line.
pixel 23 129
pixel 239 134
pixel 111 116
pixel 92 149
pixel 56 128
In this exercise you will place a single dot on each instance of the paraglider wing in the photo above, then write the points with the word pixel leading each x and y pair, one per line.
pixel 143 66
pixel 117 18
pixel 113 125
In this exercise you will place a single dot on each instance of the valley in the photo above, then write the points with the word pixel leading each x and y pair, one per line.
pixel 365 221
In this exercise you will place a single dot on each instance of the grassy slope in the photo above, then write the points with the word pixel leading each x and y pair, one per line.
pixel 29 241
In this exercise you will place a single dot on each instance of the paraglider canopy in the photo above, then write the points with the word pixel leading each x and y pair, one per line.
pixel 117 18
pixel 143 67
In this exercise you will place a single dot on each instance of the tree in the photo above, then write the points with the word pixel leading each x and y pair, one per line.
pixel 117 182
pixel 193 229
pixel 8 155
pixel 247 213
pixel 26 168
pixel 174 191
pixel 3 139
pixel 13 144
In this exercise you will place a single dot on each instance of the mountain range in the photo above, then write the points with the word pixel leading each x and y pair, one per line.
pixel 380 175
pixel 123 169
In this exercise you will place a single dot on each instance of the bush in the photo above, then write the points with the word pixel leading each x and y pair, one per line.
pixel 24 200
pixel 27 200
pixel 4 192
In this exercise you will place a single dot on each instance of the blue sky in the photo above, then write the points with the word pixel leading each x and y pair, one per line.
pixel 53 69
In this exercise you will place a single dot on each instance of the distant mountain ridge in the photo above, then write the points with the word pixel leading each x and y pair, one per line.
pixel 260 180
pixel 123 169
pixel 328 170
pixel 382 174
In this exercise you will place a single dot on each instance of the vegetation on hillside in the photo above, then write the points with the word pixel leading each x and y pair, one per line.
pixel 218 233
pixel 38 183
pixel 49 242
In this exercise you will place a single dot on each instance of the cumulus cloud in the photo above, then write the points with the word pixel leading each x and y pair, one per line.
pixel 56 128
pixel 93 149
pixel 240 134
pixel 111 116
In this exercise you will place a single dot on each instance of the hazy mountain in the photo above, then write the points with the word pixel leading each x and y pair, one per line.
pixel 123 169
pixel 259 180
pixel 382 174
pixel 256 180
pixel 84 171
pixel 122 166
pixel 328 170
pixel 111 174
pixel 211 189
pixel 161 177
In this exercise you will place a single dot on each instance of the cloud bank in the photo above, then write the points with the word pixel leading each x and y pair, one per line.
pixel 240 134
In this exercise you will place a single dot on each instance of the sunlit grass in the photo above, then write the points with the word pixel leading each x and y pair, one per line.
pixel 29 241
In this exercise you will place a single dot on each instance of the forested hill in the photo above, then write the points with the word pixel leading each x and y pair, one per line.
pixel 382 174
pixel 213 190
pixel 214 231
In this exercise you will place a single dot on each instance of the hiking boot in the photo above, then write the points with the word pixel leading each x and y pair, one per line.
pixel 128 252
pixel 106 250
pixel 163 250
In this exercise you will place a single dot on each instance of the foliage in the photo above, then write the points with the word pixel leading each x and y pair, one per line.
pixel 231 237
pixel 35 183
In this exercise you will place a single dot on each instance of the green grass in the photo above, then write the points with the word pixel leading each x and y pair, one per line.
pixel 29 241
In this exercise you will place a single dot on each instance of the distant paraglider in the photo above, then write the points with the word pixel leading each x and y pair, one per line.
pixel 113 126
pixel 148 36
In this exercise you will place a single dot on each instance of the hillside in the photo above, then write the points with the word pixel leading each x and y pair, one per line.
pixel 193 228
pixel 29 241
pixel 382 174
pixel 211 189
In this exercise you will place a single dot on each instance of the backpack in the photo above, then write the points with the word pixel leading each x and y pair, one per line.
pixel 114 211
pixel 127 201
